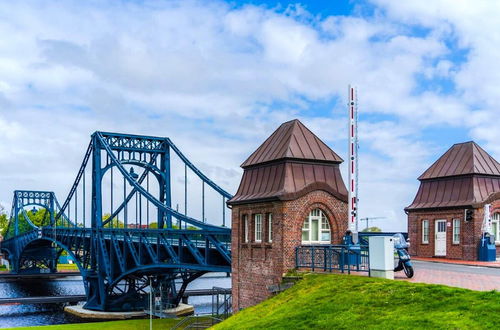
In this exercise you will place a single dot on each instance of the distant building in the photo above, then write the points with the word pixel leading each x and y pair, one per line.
pixel 291 193
pixel 136 226
pixel 464 178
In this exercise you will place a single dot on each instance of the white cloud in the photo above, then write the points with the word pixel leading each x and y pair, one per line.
pixel 475 27
pixel 218 80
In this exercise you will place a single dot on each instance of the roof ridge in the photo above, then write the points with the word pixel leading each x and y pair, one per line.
pixel 491 166
pixel 292 139
pixel 462 159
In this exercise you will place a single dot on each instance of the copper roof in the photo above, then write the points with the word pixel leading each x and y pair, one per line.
pixel 470 190
pixel 290 163
pixel 288 180
pixel 292 140
pixel 463 176
pixel 460 159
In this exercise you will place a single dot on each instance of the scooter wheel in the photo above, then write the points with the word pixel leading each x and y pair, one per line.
pixel 408 271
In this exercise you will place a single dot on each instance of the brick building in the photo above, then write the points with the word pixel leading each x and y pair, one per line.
pixel 464 178
pixel 291 193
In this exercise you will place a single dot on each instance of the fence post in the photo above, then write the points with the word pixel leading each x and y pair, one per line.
pixel 297 257
pixel 348 261
pixel 330 258
pixel 324 257
pixel 342 258
pixel 358 259
pixel 312 258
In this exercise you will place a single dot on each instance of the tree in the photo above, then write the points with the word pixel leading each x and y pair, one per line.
pixel 154 225
pixel 115 223
pixel 372 229
pixel 4 221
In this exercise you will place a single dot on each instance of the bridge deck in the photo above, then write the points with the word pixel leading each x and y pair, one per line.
pixel 78 298
pixel 10 276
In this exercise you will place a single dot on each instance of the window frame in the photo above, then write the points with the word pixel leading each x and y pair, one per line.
pixel 245 228
pixel 425 231
pixel 258 227
pixel 318 215
pixel 496 219
pixel 270 228
pixel 455 222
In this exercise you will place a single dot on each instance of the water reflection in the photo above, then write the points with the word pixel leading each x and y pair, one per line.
pixel 46 314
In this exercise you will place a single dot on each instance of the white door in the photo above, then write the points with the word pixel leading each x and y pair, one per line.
pixel 440 238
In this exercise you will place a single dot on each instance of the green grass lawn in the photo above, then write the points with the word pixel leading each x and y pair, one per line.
pixel 67 267
pixel 356 302
pixel 64 267
pixel 159 324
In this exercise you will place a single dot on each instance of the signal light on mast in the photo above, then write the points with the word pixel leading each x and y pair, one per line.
pixel 468 215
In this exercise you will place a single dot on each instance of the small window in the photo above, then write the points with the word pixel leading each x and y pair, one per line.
pixel 456 231
pixel 258 228
pixel 425 231
pixel 270 227
pixel 305 231
pixel 245 228
pixel 495 227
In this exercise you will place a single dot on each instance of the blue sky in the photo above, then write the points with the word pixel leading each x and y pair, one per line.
pixel 218 77
pixel 322 8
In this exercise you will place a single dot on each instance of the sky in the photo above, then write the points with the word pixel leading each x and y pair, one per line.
pixel 218 77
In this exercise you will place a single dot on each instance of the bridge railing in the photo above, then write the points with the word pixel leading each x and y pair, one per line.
pixel 328 258
pixel 198 237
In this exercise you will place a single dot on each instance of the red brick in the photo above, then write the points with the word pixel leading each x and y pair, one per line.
pixel 255 266
pixel 470 232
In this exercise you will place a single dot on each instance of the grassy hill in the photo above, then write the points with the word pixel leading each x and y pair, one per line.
pixel 355 302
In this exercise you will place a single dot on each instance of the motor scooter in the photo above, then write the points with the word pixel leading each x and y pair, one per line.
pixel 404 262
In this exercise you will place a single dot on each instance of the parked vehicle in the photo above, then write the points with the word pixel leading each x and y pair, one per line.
pixel 404 263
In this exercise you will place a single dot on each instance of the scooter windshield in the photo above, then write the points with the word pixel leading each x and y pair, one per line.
pixel 399 241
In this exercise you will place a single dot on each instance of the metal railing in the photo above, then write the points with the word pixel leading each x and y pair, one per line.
pixel 328 258
pixel 197 322
pixel 221 303
pixel 221 310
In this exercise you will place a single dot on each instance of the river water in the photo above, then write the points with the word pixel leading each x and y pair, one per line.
pixel 46 314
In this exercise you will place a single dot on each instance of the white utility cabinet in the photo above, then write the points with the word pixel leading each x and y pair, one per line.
pixel 381 249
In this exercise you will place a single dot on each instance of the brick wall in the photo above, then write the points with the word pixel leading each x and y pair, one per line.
pixel 257 265
pixel 470 232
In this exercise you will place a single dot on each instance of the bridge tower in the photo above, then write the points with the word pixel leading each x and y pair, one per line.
pixel 25 206
pixel 291 193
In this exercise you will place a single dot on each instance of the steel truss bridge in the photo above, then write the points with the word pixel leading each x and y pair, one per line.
pixel 123 233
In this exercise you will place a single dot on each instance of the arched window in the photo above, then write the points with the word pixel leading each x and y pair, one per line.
pixel 316 229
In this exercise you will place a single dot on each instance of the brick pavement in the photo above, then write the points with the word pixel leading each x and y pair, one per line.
pixel 462 279
pixel 493 264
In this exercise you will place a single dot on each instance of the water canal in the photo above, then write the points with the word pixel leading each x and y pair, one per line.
pixel 47 314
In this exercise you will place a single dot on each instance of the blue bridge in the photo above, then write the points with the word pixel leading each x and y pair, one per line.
pixel 120 227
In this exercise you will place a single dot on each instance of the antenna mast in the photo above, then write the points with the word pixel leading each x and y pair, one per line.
pixel 353 160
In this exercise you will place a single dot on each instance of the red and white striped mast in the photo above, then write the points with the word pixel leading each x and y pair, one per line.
pixel 353 161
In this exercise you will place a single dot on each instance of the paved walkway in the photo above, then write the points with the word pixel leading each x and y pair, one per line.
pixel 469 277
pixel 493 264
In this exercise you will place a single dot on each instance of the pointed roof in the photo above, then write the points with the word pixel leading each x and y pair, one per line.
pixel 292 140
pixel 462 159
pixel 463 176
